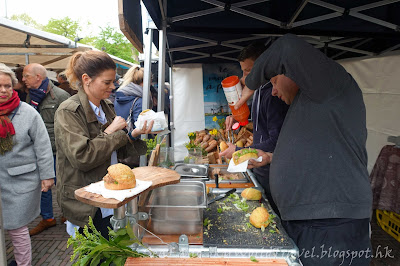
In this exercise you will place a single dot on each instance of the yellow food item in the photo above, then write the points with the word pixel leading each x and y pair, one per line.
pixel 251 194
pixel 239 144
pixel 259 217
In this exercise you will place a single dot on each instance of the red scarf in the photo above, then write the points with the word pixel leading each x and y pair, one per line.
pixel 6 126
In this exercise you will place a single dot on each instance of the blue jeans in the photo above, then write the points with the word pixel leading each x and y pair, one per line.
pixel 46 201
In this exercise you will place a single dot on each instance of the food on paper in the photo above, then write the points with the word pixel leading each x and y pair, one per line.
pixel 149 115
pixel 243 155
pixel 251 194
pixel 119 176
pixel 259 217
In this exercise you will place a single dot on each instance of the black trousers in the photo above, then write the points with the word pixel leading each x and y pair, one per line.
pixel 100 223
pixel 331 241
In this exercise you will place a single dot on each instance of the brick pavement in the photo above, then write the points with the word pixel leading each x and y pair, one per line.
pixel 49 248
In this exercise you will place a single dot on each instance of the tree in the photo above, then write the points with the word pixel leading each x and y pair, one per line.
pixel 65 27
pixel 27 21
pixel 113 42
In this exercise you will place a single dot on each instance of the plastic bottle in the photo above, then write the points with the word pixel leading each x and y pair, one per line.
pixel 233 92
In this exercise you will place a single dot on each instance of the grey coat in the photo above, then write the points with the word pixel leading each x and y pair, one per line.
pixel 23 168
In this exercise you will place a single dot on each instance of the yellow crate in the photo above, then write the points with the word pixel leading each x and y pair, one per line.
pixel 389 222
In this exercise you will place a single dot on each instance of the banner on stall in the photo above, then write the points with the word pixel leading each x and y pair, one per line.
pixel 215 104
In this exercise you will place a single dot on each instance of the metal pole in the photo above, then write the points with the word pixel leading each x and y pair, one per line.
pixel 146 84
pixel 26 59
pixel 171 104
pixel 3 254
pixel 161 69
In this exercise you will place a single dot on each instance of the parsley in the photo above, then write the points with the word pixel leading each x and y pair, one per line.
pixel 92 247
pixel 253 259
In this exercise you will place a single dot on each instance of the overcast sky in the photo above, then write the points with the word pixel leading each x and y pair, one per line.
pixel 99 13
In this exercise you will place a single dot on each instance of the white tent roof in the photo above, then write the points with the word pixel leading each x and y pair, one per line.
pixel 20 44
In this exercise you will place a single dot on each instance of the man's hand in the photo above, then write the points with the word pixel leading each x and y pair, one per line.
pixel 145 130
pixel 47 184
pixel 246 94
pixel 266 159
pixel 229 121
pixel 228 152
pixel 117 124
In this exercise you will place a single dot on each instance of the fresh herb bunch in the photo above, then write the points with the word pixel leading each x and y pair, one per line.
pixel 151 144
pixel 92 248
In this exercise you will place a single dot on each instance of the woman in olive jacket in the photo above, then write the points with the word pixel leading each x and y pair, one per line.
pixel 90 137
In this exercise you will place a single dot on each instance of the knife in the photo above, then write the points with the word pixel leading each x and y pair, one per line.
pixel 224 195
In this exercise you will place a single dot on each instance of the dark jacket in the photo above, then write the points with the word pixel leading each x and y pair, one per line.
pixel 319 167
pixel 55 96
pixel 125 97
pixel 84 152
pixel 268 114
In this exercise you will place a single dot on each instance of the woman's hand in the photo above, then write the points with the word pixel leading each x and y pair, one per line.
pixel 145 130
pixel 47 184
pixel 266 159
pixel 117 124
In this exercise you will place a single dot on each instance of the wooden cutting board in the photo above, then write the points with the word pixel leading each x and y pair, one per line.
pixel 159 176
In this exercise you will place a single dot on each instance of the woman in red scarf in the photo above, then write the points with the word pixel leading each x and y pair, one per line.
pixel 26 165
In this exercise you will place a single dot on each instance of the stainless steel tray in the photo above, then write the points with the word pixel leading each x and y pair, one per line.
pixel 238 177
pixel 192 170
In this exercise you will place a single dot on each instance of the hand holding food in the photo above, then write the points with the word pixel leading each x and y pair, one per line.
pixel 266 159
pixel 251 194
pixel 157 118
pixel 259 217
pixel 228 150
pixel 243 155
pixel 145 129
pixel 119 176
pixel 117 124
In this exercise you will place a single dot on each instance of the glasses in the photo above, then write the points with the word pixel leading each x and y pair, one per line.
pixel 26 75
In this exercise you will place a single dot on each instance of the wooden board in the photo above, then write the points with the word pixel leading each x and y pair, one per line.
pixel 159 176
pixel 202 261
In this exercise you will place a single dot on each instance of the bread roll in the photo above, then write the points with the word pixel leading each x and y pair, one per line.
pixel 259 217
pixel 119 176
pixel 251 194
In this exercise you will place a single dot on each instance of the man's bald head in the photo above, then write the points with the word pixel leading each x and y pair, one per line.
pixel 33 75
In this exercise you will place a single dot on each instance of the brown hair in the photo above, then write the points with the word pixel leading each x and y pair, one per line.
pixel 93 63
pixel 135 75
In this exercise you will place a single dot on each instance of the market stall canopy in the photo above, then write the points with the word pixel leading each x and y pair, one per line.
pixel 20 44
pixel 210 31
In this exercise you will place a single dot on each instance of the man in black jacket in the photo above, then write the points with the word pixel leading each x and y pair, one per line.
pixel 319 177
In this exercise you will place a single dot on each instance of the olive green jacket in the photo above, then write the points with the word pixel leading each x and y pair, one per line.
pixel 48 106
pixel 84 152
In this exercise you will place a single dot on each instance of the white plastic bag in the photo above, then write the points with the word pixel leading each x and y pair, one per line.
pixel 158 118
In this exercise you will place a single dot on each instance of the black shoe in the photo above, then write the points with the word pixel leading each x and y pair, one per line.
pixel 12 263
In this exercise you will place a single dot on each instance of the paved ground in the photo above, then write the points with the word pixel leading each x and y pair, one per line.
pixel 50 247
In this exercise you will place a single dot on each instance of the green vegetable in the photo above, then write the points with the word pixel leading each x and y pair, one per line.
pixel 206 222
pixel 92 247
pixel 116 182
pixel 253 259
pixel 219 210
pixel 193 255
pixel 249 225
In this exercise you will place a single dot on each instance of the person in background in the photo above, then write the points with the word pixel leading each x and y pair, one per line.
pixel 64 84
pixel 128 98
pixel 90 137
pixel 26 165
pixel 268 114
pixel 116 85
pixel 21 88
pixel 45 98
pixel 319 177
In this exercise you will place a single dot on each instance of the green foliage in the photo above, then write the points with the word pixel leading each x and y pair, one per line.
pixel 27 21
pixel 92 247
pixel 64 26
pixel 115 43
